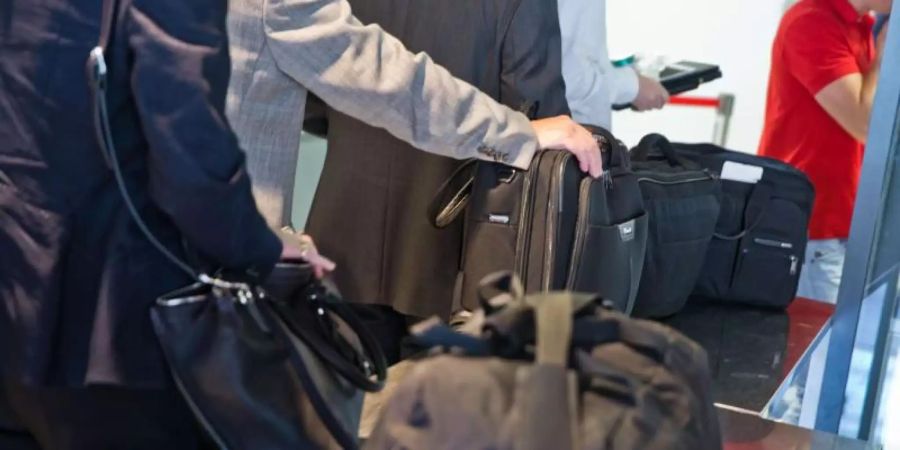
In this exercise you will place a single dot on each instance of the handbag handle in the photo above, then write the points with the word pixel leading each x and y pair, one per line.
pixel 327 351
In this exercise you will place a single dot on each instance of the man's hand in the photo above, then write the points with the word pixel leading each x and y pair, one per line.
pixel 301 247
pixel 562 133
pixel 651 95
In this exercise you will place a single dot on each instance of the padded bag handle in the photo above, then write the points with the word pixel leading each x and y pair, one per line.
pixel 657 143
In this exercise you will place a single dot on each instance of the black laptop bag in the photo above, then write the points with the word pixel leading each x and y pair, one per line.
pixel 682 202
pixel 757 253
pixel 553 225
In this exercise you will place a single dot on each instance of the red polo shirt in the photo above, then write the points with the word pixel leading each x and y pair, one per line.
pixel 818 42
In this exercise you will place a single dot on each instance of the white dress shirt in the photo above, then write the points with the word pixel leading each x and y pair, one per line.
pixel 593 85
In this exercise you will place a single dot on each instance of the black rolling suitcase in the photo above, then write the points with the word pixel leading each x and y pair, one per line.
pixel 682 202
pixel 554 226
pixel 757 253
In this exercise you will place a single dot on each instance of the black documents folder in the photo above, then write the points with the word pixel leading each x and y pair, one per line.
pixel 684 76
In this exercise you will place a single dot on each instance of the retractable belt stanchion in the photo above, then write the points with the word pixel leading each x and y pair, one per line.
pixel 724 106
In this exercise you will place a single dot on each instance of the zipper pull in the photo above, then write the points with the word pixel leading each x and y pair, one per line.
pixel 794 265
pixel 606 179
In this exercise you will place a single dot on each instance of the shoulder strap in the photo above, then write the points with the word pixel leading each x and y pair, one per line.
pixel 107 18
pixel 97 73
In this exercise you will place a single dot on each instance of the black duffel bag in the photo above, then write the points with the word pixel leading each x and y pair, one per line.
pixel 757 252
pixel 551 371
pixel 682 203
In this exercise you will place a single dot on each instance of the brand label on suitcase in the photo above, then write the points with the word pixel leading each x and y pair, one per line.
pixel 626 231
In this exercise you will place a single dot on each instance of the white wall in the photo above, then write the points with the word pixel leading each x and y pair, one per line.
pixel 736 34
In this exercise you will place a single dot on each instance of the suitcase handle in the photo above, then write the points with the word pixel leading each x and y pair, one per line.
pixel 452 197
pixel 617 152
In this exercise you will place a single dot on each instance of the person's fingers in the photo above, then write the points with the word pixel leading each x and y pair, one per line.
pixel 323 262
pixel 584 160
pixel 596 158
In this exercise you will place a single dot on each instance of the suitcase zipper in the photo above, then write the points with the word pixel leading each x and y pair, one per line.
pixel 773 243
pixel 580 233
pixel 708 176
pixel 551 218
pixel 522 237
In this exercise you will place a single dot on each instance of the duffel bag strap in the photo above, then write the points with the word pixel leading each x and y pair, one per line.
pixel 553 320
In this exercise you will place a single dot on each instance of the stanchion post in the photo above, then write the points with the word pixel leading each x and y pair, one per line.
pixel 723 119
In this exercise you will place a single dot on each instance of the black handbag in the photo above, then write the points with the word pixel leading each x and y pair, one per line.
pixel 262 367
pixel 682 201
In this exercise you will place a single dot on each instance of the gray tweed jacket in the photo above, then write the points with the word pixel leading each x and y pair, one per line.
pixel 281 48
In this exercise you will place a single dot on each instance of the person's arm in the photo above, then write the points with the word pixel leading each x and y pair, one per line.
pixel 368 74
pixel 531 62
pixel 593 85
pixel 197 174
pixel 849 99
pixel 826 66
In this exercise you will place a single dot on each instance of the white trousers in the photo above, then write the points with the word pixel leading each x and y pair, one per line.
pixel 821 275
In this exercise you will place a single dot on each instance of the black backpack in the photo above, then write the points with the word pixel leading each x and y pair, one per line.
pixel 682 202
pixel 552 225
pixel 757 252
pixel 551 371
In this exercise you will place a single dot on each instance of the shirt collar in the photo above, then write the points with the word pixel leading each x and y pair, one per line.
pixel 847 12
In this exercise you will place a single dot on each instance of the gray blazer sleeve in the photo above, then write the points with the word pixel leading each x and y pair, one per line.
pixel 366 73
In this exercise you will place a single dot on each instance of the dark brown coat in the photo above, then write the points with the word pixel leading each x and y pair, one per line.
pixel 370 210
